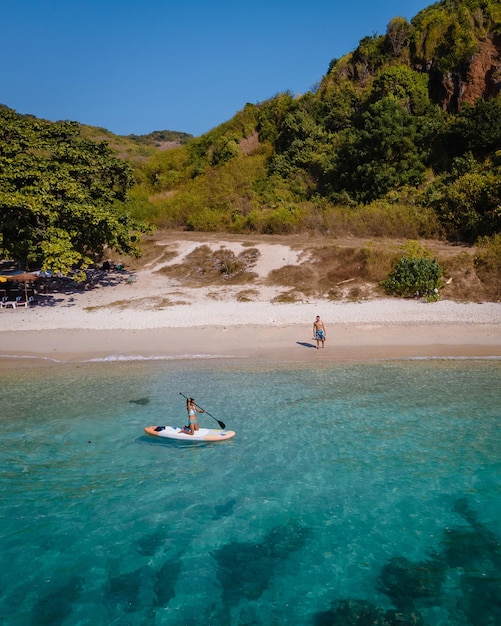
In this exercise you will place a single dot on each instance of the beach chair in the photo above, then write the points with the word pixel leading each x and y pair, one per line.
pixel 6 303
pixel 25 303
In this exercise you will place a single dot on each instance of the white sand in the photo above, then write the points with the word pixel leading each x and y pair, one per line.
pixel 214 322
pixel 72 314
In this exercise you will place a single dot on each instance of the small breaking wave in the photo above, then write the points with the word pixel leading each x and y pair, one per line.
pixel 119 358
pixel 450 358
pixel 34 357
pixel 177 357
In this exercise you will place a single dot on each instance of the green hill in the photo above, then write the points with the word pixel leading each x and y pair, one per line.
pixel 137 148
pixel 402 137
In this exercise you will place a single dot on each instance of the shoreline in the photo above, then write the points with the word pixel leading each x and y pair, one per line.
pixel 284 343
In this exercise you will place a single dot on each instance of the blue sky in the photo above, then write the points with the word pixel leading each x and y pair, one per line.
pixel 135 66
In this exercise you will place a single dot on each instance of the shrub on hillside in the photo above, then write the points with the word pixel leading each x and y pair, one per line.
pixel 415 277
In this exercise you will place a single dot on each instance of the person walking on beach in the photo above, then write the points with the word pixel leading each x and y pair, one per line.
pixel 319 332
pixel 192 409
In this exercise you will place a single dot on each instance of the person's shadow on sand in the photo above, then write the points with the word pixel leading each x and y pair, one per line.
pixel 305 344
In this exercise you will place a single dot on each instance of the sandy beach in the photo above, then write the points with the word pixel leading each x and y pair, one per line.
pixel 155 316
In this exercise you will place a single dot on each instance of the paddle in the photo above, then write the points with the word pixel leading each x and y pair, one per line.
pixel 223 426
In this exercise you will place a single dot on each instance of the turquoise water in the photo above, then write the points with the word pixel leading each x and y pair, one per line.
pixel 351 494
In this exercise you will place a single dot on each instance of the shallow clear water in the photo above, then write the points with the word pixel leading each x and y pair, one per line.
pixel 350 493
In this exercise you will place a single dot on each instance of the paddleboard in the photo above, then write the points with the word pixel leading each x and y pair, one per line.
pixel 203 434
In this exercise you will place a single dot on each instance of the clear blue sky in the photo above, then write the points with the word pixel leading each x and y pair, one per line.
pixel 135 66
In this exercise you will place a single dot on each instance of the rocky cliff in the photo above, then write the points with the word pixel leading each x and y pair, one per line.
pixel 479 78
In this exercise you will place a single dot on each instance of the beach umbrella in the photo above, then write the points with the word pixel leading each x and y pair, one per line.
pixel 21 277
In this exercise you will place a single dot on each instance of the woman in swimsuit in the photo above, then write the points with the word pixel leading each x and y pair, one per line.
pixel 192 409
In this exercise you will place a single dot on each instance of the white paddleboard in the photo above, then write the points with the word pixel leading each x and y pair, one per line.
pixel 203 434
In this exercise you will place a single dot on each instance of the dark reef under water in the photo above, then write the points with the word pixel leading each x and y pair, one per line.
pixel 245 570
pixel 411 586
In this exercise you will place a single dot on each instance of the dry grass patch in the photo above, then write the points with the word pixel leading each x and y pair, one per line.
pixel 247 295
pixel 205 267
pixel 461 281
pixel 329 269
pixel 358 293
pixel 488 267
pixel 288 297
pixel 297 276
pixel 216 295
pixel 378 261
pixel 154 303
pixel 338 267
pixel 474 273
pixel 353 292
pixel 153 252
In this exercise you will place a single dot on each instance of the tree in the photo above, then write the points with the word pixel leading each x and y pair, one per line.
pixel 397 33
pixel 224 150
pixel 368 57
pixel 477 129
pixel 406 86
pixel 299 142
pixel 469 206
pixel 61 196
pixel 380 155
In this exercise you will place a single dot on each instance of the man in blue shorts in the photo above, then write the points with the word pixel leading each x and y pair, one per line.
pixel 319 332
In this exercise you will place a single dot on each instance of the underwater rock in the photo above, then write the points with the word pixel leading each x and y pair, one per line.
pixel 149 544
pixel 403 618
pixel 55 607
pixel 245 569
pixel 165 582
pixel 224 510
pixel 124 590
pixel 463 548
pixel 362 613
pixel 476 552
pixel 140 401
pixel 351 613
pixel 404 581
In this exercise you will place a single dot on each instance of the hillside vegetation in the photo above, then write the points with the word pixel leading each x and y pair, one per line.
pixel 400 140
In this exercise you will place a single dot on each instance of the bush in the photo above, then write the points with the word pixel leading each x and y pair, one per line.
pixel 415 277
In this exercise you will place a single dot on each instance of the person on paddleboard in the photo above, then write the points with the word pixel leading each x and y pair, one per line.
pixel 319 332
pixel 192 409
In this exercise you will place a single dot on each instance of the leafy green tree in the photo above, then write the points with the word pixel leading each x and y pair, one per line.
pixel 477 129
pixel 271 115
pixel 408 87
pixel 300 142
pixel 61 197
pixel 369 57
pixel 224 150
pixel 380 155
pixel 398 32
pixel 337 107
pixel 470 205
